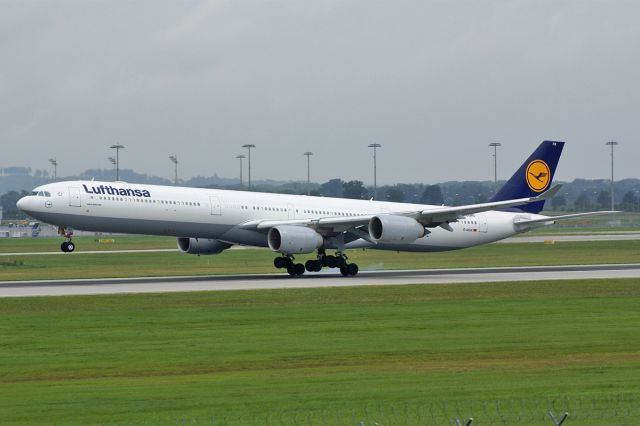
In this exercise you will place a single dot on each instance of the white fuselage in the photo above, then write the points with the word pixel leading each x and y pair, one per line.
pixel 220 214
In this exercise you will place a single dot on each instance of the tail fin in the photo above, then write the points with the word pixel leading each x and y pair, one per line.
pixel 533 177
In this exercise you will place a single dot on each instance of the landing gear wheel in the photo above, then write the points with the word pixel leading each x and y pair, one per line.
pixel 340 262
pixel 70 247
pixel 330 261
pixel 310 265
pixel 282 262
pixel 344 271
pixel 64 247
pixel 295 269
pixel 352 269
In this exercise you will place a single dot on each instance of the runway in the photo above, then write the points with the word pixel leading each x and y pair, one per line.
pixel 319 280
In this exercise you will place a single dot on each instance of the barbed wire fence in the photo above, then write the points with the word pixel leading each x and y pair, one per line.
pixel 614 410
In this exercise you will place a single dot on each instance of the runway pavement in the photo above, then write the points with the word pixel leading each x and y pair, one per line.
pixel 317 280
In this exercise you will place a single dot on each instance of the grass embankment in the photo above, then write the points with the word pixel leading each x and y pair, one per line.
pixel 116 242
pixel 78 265
pixel 321 356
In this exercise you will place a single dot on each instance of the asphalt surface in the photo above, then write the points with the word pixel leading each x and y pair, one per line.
pixel 313 280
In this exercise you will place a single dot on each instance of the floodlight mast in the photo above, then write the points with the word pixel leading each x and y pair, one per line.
pixel 375 146
pixel 241 157
pixel 117 147
pixel 495 146
pixel 54 163
pixel 308 154
pixel 249 146
pixel 612 144
pixel 174 160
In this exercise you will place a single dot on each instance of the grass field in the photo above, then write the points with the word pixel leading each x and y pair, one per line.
pixel 120 242
pixel 325 356
pixel 78 265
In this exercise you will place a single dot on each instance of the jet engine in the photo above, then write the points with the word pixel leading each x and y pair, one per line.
pixel 395 229
pixel 201 246
pixel 289 239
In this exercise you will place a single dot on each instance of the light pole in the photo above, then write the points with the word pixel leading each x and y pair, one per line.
pixel 241 157
pixel 249 146
pixel 495 146
pixel 308 154
pixel 612 144
pixel 54 163
pixel 117 147
pixel 113 161
pixel 375 146
pixel 174 160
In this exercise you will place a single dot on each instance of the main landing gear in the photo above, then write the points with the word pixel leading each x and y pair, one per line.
pixel 316 265
pixel 67 246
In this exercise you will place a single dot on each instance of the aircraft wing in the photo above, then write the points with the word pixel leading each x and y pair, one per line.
pixel 439 216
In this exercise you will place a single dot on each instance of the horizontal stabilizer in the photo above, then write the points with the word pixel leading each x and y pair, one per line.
pixel 526 223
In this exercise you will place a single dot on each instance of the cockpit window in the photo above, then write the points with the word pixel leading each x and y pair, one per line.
pixel 47 194
pixel 34 193
pixel 41 193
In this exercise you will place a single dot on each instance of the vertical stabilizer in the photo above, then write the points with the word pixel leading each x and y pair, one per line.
pixel 533 177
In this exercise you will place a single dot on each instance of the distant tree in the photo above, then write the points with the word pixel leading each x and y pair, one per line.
pixel 582 203
pixel 432 194
pixel 559 202
pixel 629 201
pixel 604 199
pixel 8 203
pixel 354 189
pixel 395 194
pixel 332 188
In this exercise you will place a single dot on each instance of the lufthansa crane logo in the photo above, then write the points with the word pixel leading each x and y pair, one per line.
pixel 538 175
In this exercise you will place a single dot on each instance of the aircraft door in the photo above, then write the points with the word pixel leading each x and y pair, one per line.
pixel 74 196
pixel 290 212
pixel 483 226
pixel 216 207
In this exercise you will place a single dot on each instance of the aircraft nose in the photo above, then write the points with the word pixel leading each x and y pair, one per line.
pixel 21 203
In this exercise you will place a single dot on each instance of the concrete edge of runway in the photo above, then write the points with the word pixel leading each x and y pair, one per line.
pixel 396 273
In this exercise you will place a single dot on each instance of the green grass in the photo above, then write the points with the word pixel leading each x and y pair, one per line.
pixel 49 244
pixel 322 356
pixel 78 265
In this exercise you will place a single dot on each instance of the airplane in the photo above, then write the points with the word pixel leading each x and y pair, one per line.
pixel 209 221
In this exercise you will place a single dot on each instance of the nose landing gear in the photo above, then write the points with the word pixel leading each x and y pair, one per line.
pixel 67 246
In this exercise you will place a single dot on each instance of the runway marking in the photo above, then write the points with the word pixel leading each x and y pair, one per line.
pixel 281 281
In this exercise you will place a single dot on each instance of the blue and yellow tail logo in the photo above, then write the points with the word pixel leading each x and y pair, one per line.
pixel 538 175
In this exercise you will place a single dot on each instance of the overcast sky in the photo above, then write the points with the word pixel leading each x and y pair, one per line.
pixel 432 81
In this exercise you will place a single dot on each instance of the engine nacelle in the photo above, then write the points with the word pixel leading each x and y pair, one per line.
pixel 201 246
pixel 289 239
pixel 395 229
